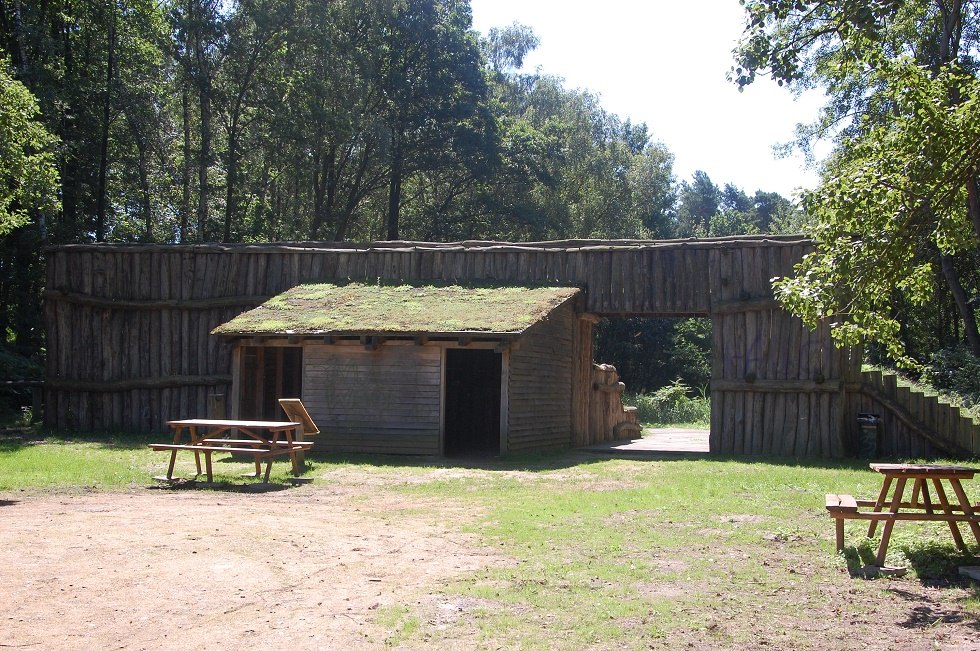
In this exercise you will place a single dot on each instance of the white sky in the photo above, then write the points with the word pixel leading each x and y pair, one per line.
pixel 664 63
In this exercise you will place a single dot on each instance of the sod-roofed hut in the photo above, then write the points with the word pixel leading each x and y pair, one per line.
pixel 418 369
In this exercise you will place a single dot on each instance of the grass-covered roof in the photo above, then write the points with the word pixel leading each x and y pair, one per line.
pixel 368 309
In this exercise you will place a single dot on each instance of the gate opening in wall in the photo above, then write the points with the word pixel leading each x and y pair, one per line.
pixel 666 365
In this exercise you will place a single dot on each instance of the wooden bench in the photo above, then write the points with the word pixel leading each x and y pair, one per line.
pixel 841 507
pixel 257 449
pixel 204 448
pixel 300 445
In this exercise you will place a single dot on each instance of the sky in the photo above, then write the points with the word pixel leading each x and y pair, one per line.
pixel 665 63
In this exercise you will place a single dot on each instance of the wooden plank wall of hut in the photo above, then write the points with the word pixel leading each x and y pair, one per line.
pixel 385 400
pixel 129 344
pixel 539 385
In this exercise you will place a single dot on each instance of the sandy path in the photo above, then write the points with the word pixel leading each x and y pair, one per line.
pixel 148 569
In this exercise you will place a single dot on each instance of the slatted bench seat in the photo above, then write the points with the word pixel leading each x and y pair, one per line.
pixel 208 447
pixel 205 448
pixel 299 445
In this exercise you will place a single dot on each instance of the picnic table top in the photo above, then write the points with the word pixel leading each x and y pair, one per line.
pixel 924 470
pixel 245 424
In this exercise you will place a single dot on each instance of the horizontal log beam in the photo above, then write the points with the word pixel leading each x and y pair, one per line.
pixel 778 386
pixel 767 240
pixel 153 304
pixel 109 386
pixel 751 305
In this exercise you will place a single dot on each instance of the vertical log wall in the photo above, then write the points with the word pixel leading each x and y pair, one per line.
pixel 129 345
pixel 777 388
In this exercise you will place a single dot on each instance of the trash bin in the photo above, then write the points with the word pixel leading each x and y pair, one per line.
pixel 869 432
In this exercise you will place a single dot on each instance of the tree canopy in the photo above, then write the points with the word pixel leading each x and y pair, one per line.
pixel 28 178
pixel 185 121
pixel 896 217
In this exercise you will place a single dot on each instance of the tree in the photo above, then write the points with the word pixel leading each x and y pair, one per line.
pixel 899 194
pixel 28 191
pixel 28 178
pixel 699 201
pixel 895 201
pixel 256 33
pixel 199 28
pixel 506 47
pixel 434 93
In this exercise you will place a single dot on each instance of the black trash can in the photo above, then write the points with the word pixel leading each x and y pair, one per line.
pixel 869 435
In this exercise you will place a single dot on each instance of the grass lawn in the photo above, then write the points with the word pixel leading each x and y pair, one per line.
pixel 611 553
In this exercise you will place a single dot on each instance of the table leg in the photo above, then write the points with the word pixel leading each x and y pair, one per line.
pixel 886 532
pixel 965 505
pixel 268 468
pixel 178 435
pixel 916 487
pixel 173 461
pixel 292 451
pixel 954 528
pixel 197 455
pixel 207 460
pixel 879 504
pixel 922 486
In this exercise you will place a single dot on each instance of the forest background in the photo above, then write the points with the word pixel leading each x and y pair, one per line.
pixel 186 121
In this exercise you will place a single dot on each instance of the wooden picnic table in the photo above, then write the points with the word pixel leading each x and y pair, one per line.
pixel 263 440
pixel 924 504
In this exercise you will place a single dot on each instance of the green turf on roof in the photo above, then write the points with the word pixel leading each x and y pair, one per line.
pixel 360 308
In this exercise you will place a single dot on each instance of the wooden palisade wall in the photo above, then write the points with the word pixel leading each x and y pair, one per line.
pixel 777 388
pixel 129 344
pixel 913 425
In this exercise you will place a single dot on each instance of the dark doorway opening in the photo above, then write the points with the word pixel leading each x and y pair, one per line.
pixel 269 373
pixel 472 403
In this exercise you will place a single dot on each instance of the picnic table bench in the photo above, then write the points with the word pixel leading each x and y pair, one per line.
pixel 262 440
pixel 919 507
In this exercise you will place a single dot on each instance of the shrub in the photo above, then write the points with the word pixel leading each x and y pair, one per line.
pixel 673 404
pixel 955 370
pixel 13 367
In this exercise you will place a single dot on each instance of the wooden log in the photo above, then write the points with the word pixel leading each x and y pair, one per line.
pixel 171 381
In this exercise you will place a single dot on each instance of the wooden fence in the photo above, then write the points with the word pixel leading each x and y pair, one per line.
pixel 914 425
pixel 129 345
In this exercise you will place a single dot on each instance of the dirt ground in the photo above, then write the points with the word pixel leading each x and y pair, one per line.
pixel 301 568
pixel 316 566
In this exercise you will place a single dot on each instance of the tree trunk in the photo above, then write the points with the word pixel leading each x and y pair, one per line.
pixel 973 202
pixel 395 187
pixel 204 159
pixel 185 179
pixel 323 165
pixel 102 198
pixel 142 150
pixel 70 167
pixel 231 181
pixel 204 155
pixel 20 51
pixel 962 304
